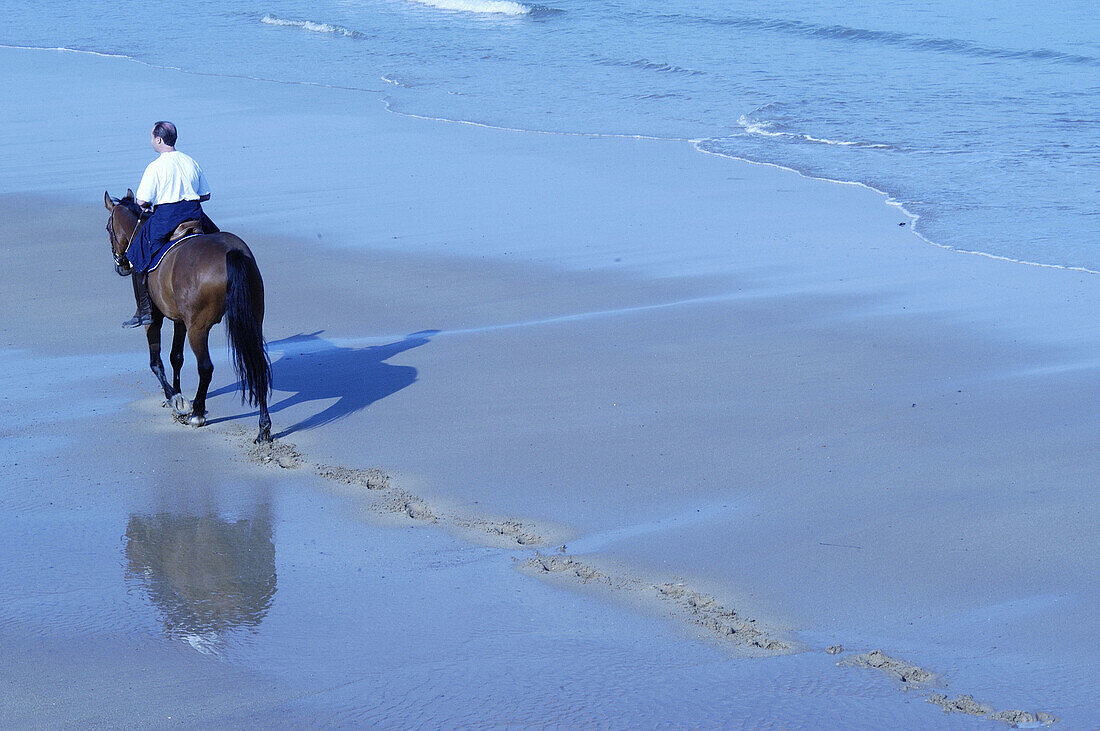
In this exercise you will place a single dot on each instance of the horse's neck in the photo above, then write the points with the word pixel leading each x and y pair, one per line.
pixel 138 223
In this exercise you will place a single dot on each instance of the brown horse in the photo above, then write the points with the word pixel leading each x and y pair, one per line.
pixel 195 285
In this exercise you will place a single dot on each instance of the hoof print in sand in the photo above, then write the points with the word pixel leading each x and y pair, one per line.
pixel 915 677
pixel 706 612
pixel 966 704
pixel 512 529
pixel 509 529
pixel 907 673
pixel 1022 718
pixel 564 564
pixel 277 454
pixel 372 479
pixel 402 503
pixel 417 510
pixel 963 704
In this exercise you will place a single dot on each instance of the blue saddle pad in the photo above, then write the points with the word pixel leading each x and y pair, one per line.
pixel 157 257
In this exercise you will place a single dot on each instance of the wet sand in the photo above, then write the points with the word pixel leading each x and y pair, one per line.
pixel 821 437
pixel 200 581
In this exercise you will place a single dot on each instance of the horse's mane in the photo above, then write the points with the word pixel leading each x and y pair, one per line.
pixel 131 205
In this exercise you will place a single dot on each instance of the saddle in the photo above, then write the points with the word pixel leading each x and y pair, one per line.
pixel 186 228
pixel 180 232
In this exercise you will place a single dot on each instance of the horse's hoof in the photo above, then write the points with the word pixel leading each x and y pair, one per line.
pixel 263 438
pixel 181 405
pixel 197 421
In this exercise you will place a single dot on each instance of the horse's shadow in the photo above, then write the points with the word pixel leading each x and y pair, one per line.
pixel 313 369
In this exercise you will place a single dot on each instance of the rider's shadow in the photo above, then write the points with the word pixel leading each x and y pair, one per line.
pixel 313 369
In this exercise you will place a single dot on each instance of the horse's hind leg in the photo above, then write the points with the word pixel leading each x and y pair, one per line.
pixel 179 403
pixel 199 345
pixel 152 334
pixel 265 421
pixel 265 418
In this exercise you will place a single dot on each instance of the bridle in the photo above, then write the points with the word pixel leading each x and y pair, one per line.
pixel 122 264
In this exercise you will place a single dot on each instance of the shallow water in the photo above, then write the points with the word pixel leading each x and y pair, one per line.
pixel 980 117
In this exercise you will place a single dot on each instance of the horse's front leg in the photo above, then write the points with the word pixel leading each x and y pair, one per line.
pixel 175 357
pixel 199 346
pixel 152 334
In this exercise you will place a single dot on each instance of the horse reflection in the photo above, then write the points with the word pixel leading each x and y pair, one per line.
pixel 206 575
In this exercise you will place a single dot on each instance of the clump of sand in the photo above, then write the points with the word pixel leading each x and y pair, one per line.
pixel 392 499
pixel 907 673
pixel 912 676
pixel 372 479
pixel 963 704
pixel 277 454
pixel 411 506
pixel 691 606
pixel 966 704
pixel 511 531
pixel 706 611
pixel 564 564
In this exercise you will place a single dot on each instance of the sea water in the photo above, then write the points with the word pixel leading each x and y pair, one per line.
pixel 981 118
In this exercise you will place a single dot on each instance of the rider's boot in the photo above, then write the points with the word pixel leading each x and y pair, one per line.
pixel 144 314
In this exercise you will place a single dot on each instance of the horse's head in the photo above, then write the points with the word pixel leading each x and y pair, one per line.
pixel 121 225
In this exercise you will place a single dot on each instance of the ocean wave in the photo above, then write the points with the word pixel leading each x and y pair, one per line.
pixel 893 38
pixel 647 65
pixel 490 7
pixel 313 26
pixel 656 95
pixel 764 128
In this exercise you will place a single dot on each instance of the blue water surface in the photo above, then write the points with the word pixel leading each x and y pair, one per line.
pixel 983 118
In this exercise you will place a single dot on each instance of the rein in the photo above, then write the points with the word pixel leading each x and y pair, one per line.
pixel 121 262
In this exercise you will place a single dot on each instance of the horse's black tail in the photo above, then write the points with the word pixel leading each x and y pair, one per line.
pixel 246 337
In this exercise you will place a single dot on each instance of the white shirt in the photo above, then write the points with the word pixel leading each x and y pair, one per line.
pixel 171 178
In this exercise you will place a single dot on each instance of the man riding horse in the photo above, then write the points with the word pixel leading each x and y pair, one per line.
pixel 174 185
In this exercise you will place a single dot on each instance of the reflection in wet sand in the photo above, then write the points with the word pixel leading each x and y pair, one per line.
pixel 206 575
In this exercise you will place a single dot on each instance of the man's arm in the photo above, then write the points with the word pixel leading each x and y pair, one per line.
pixel 203 198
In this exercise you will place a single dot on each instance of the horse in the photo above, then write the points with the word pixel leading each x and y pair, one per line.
pixel 199 281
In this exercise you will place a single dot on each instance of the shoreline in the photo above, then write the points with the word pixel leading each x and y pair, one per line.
pixel 501 405
pixel 696 144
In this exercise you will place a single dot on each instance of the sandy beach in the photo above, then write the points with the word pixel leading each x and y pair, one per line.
pixel 571 430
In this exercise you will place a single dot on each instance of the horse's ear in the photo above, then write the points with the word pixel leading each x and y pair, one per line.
pixel 129 194
pixel 109 201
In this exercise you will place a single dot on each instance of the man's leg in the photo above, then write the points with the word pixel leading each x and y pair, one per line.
pixel 208 226
pixel 144 314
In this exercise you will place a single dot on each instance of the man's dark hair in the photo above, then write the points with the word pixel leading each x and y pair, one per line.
pixel 166 131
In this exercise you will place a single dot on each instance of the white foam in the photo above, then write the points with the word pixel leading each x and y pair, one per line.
pixel 498 7
pixel 764 129
pixel 310 26
pixel 891 201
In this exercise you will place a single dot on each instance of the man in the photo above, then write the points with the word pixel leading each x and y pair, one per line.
pixel 174 185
